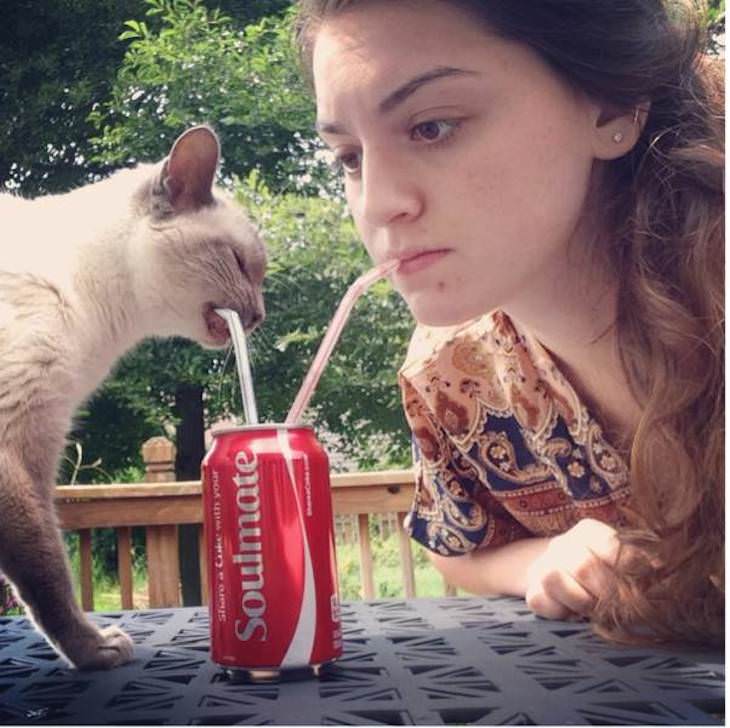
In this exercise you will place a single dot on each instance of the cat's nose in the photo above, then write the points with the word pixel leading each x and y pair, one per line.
pixel 254 318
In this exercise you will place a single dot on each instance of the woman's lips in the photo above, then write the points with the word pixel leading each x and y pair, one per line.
pixel 420 261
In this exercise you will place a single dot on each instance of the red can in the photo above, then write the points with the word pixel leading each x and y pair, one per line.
pixel 271 550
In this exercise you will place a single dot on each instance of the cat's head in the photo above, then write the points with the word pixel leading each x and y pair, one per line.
pixel 195 248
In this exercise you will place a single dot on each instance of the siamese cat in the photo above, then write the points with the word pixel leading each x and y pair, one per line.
pixel 84 276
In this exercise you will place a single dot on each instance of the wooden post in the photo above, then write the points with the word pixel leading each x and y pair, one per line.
pixel 86 564
pixel 124 566
pixel 163 570
pixel 158 454
pixel 163 566
pixel 449 589
pixel 366 557
pixel 190 442
pixel 406 558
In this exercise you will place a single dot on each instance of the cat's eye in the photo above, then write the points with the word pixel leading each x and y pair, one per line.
pixel 240 264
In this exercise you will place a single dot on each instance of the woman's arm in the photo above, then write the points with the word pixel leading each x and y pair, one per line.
pixel 498 570
pixel 558 577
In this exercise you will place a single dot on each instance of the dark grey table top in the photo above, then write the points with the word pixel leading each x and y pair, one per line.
pixel 423 661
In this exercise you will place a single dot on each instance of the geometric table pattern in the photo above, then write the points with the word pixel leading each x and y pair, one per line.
pixel 446 661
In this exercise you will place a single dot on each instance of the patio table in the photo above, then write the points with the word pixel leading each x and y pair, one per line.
pixel 442 661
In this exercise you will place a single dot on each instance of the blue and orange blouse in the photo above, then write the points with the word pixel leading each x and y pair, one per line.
pixel 507 449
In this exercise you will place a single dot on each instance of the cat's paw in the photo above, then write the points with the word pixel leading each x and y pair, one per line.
pixel 113 648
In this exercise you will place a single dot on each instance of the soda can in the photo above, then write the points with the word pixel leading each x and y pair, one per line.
pixel 270 541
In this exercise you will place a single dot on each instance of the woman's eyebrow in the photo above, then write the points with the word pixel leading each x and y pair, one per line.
pixel 397 97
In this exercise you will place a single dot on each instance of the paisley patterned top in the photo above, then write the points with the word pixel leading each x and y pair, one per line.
pixel 507 450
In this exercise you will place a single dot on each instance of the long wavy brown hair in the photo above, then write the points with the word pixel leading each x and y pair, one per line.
pixel 662 234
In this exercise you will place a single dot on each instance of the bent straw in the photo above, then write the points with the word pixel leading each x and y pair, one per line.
pixel 332 334
pixel 238 336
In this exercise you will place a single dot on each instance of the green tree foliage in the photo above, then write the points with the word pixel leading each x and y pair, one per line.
pixel 716 12
pixel 58 61
pixel 105 443
pixel 197 66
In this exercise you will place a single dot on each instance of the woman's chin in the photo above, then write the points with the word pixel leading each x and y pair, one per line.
pixel 428 314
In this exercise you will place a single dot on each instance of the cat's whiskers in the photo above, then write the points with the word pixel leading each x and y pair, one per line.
pixel 224 271
pixel 252 340
pixel 257 338
pixel 222 373
pixel 263 339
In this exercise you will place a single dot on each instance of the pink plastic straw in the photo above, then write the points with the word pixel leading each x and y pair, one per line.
pixel 333 333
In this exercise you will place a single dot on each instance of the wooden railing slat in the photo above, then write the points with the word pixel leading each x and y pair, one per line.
pixel 372 478
pixel 126 490
pixel 371 498
pixel 124 565
pixel 169 503
pixel 366 556
pixel 86 568
pixel 111 512
pixel 406 559
pixel 163 568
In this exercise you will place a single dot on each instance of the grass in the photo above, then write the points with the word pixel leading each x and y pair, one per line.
pixel 388 577
pixel 107 592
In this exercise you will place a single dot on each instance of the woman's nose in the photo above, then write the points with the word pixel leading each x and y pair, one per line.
pixel 389 189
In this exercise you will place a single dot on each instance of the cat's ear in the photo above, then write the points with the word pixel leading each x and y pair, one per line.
pixel 188 173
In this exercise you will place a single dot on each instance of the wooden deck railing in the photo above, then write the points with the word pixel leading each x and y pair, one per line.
pixel 160 507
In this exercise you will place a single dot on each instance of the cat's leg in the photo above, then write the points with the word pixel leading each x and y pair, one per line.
pixel 33 557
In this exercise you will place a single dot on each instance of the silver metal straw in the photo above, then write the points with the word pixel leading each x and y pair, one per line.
pixel 243 364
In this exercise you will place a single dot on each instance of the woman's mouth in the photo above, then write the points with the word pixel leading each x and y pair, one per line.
pixel 420 261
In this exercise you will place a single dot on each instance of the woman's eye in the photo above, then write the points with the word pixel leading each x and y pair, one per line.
pixel 349 162
pixel 432 131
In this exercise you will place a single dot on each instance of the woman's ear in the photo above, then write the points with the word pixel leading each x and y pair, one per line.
pixel 615 132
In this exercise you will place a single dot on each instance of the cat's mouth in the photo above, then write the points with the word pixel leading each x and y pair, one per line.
pixel 217 327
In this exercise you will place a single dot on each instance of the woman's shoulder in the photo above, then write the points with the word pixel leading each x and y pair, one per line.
pixel 455 373
pixel 492 415
pixel 491 366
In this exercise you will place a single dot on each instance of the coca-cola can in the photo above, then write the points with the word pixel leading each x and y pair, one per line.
pixel 270 541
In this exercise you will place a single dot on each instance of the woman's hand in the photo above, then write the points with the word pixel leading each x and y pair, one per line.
pixel 573 571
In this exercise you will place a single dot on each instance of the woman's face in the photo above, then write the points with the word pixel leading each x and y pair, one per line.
pixel 464 155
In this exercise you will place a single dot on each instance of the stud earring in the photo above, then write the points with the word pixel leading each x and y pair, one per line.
pixel 618 137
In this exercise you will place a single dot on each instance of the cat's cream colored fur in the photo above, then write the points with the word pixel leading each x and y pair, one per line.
pixel 84 277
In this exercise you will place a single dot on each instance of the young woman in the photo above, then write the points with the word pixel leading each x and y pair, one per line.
pixel 549 174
